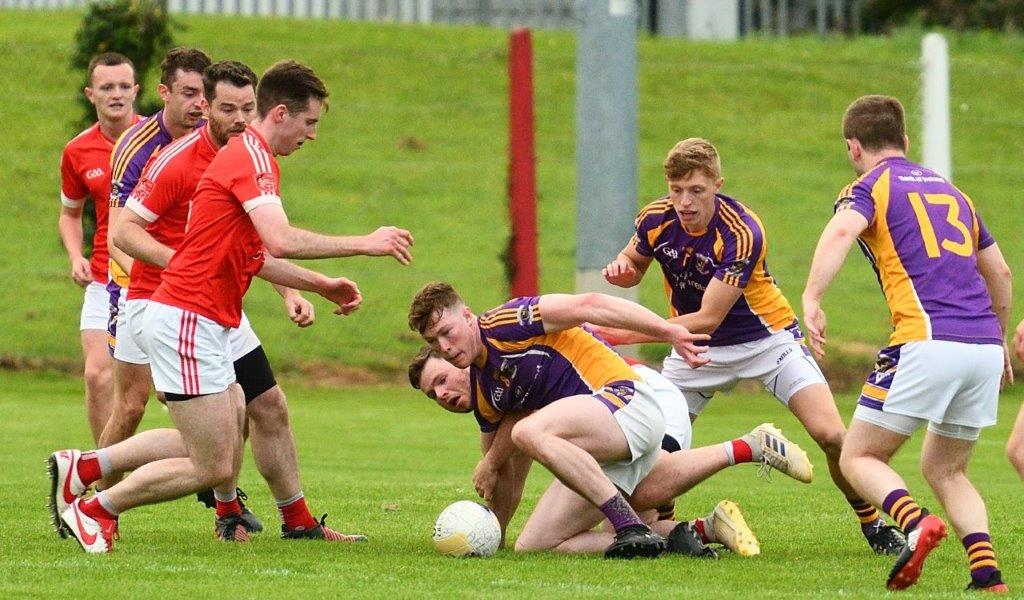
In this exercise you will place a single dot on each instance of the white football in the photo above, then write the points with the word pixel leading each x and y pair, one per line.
pixel 467 529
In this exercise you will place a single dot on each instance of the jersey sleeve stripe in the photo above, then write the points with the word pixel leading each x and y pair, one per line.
pixel 743 233
pixel 137 207
pixel 250 205
pixel 499 315
pixel 122 159
pixel 70 202
pixel 168 153
pixel 260 160
pixel 658 206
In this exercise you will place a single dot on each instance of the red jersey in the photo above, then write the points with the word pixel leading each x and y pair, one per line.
pixel 221 252
pixel 85 173
pixel 162 198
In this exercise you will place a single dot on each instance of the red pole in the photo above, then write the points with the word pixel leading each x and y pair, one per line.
pixel 522 184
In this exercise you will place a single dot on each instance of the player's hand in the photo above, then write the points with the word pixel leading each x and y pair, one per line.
pixel 620 272
pixel 344 293
pixel 815 322
pixel 390 241
pixel 1018 341
pixel 81 271
pixel 485 478
pixel 685 344
pixel 300 310
pixel 1007 369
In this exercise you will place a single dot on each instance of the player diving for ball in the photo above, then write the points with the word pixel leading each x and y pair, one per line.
pixel 544 388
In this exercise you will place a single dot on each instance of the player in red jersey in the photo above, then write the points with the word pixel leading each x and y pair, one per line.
pixel 154 226
pixel 85 174
pixel 237 229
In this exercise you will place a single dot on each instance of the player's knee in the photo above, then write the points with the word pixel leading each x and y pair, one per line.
pixel 218 473
pixel 526 435
pixel 831 443
pixel 97 375
pixel 1015 452
pixel 527 543
pixel 269 410
pixel 937 473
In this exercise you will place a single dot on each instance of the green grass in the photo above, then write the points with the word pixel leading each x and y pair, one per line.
pixel 385 461
pixel 772 107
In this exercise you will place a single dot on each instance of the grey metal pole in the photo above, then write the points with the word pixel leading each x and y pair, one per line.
pixel 606 138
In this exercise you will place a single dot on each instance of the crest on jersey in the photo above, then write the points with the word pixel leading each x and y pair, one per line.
pixel 737 267
pixel 267 183
pixel 525 316
pixel 143 189
pixel 843 203
pixel 703 264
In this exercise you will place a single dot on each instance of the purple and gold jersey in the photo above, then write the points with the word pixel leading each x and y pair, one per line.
pixel 731 249
pixel 922 240
pixel 523 368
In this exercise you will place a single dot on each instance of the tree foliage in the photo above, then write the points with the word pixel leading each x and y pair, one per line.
pixel 1002 15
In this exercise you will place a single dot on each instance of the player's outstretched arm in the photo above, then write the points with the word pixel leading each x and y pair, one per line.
pixel 562 311
pixel 999 281
pixel 285 241
pixel 130 236
pixel 299 310
pixel 69 224
pixel 833 246
pixel 342 292
pixel 628 268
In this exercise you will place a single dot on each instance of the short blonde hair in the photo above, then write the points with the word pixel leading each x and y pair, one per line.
pixel 690 155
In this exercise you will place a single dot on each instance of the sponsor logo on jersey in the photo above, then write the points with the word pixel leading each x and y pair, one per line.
pixel 267 183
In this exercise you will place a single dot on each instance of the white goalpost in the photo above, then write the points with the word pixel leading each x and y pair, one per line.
pixel 936 153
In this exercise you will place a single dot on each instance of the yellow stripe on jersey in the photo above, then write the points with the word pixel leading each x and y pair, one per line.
pixel 900 294
pixel 507 316
pixel 764 298
pixel 672 312
pixel 874 392
pixel 975 228
pixel 483 404
pixel 658 206
pixel 615 400
pixel 132 146
pixel 597 364
pixel 652 235
pixel 744 240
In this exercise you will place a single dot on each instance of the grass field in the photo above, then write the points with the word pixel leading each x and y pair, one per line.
pixel 772 106
pixel 385 461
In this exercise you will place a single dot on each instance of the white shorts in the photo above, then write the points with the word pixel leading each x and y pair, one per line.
pixel 95 307
pixel 241 340
pixel 189 354
pixel 673 406
pixel 643 424
pixel 953 386
pixel 780 362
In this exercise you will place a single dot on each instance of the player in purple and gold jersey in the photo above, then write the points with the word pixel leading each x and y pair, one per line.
pixel 712 252
pixel 677 470
pixel 948 289
pixel 595 422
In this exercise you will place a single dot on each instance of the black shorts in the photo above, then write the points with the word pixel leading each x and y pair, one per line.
pixel 254 374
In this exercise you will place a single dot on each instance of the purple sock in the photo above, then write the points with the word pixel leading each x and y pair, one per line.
pixel 620 513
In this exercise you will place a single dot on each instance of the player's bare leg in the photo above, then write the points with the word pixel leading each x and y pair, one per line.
pixel 229 524
pixel 867 451
pixel 562 521
pixel 676 473
pixel 815 408
pixel 132 383
pixel 1015 445
pixel 273 450
pixel 944 465
pixel 569 437
pixel 98 380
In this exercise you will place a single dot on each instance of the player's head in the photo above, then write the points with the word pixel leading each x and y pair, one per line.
pixel 440 380
pixel 112 88
pixel 181 86
pixel 693 171
pixel 291 98
pixel 873 125
pixel 230 90
pixel 445 322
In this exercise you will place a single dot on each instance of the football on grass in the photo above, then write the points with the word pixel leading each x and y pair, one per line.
pixel 467 529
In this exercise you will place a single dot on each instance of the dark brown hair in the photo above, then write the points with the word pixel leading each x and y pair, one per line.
pixel 419 362
pixel 877 122
pixel 290 83
pixel 227 71
pixel 190 60
pixel 428 304
pixel 108 59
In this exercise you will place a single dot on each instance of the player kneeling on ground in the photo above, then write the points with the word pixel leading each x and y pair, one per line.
pixel 597 425
pixel 677 470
